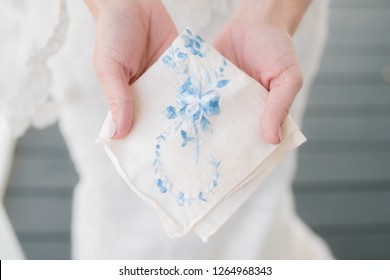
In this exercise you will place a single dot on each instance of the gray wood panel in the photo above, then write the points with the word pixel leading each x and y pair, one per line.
pixel 44 138
pixel 349 95
pixel 335 167
pixel 344 208
pixel 347 129
pixel 39 213
pixel 43 172
pixel 370 78
pixel 367 247
pixel 355 63
pixel 378 147
pixel 355 26
pixel 360 4
pixel 371 48
pixel 47 249
pixel 345 111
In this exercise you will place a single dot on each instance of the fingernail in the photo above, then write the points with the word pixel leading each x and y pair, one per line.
pixel 112 129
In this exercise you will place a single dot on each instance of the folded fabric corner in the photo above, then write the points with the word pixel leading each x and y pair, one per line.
pixel 196 151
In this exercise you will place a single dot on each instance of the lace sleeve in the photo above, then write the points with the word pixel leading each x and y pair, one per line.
pixel 33 103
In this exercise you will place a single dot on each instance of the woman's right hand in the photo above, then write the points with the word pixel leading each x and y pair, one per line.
pixel 131 36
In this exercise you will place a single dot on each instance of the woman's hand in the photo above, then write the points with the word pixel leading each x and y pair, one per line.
pixel 131 35
pixel 258 40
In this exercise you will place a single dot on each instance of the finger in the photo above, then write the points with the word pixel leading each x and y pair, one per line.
pixel 279 101
pixel 114 80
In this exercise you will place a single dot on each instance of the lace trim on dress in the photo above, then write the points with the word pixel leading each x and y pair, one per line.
pixel 33 104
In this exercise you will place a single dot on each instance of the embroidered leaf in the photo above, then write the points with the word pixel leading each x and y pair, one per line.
pixel 224 63
pixel 160 185
pixel 170 112
pixel 180 198
pixel 185 138
pixel 188 91
pixel 188 31
pixel 185 86
pixel 214 106
pixel 200 39
pixel 182 110
pixel 201 196
pixel 214 162
pixel 183 134
pixel 211 106
pixel 189 42
pixel 205 125
pixel 169 61
pixel 196 116
pixel 160 138
pixel 180 55
pixel 197 44
pixel 222 83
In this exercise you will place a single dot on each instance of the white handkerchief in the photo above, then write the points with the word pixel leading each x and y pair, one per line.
pixel 196 151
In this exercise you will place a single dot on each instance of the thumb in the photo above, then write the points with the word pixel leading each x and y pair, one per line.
pixel 279 101
pixel 114 79
pixel 117 58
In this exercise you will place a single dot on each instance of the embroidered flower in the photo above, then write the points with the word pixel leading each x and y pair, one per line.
pixel 195 43
pixel 174 57
pixel 195 102
pixel 198 100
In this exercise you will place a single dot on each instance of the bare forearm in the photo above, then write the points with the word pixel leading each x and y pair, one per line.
pixel 284 13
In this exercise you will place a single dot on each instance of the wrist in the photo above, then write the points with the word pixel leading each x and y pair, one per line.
pixel 97 6
pixel 284 14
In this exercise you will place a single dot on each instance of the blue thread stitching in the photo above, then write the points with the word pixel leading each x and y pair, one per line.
pixel 197 102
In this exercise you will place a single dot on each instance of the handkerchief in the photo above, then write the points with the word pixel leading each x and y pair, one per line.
pixel 196 152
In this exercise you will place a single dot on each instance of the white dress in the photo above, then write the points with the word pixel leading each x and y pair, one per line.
pixel 111 222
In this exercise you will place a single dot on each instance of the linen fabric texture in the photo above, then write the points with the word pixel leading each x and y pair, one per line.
pixel 196 152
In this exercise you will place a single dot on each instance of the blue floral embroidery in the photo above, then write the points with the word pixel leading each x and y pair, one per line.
pixel 195 43
pixel 170 112
pixel 197 103
pixel 174 57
